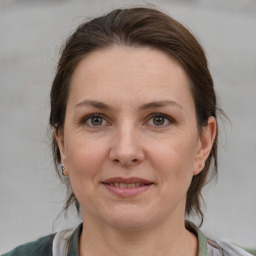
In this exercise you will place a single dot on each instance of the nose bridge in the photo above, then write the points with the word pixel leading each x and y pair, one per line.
pixel 126 145
pixel 128 139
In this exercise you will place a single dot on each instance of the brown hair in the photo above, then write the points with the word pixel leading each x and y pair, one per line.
pixel 139 27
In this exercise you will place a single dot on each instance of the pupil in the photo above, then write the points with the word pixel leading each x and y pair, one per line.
pixel 97 121
pixel 159 120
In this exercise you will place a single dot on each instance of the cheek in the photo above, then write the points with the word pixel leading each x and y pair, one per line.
pixel 84 156
pixel 85 159
pixel 175 160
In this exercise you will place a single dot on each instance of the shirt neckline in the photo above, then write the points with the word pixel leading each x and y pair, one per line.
pixel 202 241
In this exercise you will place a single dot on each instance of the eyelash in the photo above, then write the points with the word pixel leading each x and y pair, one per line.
pixel 161 115
pixel 90 117
pixel 151 116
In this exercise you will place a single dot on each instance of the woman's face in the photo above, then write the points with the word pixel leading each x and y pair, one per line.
pixel 130 143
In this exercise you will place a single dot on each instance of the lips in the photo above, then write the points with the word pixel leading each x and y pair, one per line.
pixel 127 187
pixel 126 182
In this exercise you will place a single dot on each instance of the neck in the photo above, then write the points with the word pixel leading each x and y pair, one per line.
pixel 162 240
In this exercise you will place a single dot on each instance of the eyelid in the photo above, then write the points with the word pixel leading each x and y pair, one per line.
pixel 169 118
pixel 87 117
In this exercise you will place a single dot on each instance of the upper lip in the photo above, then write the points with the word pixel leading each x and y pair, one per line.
pixel 127 180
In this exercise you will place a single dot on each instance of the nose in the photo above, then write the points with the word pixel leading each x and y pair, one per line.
pixel 126 148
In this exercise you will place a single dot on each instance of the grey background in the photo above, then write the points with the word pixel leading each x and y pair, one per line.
pixel 31 33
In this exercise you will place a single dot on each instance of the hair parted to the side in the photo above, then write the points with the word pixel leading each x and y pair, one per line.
pixel 139 27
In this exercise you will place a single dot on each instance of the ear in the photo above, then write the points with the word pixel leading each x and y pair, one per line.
pixel 205 144
pixel 59 136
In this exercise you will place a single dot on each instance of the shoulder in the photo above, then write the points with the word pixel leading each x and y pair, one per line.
pixel 40 247
pixel 224 248
pixel 60 243
pixel 210 247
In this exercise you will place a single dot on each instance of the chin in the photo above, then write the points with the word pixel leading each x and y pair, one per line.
pixel 128 225
pixel 128 219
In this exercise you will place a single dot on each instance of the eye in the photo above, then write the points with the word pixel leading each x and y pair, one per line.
pixel 94 120
pixel 160 120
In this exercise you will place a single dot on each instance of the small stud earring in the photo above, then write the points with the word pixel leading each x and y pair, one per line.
pixel 62 169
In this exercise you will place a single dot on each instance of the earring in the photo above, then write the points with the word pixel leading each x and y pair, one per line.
pixel 62 169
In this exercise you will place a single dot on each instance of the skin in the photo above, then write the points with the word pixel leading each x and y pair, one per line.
pixel 129 140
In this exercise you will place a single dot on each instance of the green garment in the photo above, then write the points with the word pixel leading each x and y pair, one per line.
pixel 43 246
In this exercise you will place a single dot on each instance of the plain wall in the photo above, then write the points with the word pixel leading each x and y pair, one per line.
pixel 31 33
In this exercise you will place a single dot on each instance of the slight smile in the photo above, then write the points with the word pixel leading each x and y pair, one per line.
pixel 127 187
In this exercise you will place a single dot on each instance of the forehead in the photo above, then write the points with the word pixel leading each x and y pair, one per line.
pixel 131 72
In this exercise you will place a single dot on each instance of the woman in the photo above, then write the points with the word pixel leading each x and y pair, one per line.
pixel 134 119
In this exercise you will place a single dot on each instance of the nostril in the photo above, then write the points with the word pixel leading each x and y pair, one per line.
pixel 133 161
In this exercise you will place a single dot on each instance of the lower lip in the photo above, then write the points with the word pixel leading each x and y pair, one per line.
pixel 127 192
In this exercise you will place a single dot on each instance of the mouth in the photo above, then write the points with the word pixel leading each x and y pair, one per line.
pixel 127 185
pixel 124 187
pixel 127 182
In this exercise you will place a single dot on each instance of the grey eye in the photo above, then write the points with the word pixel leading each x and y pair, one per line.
pixel 96 121
pixel 159 120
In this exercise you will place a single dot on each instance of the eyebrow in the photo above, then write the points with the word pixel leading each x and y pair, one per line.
pixel 158 104
pixel 93 103
pixel 154 104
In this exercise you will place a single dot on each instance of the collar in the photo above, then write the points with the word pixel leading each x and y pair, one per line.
pixel 73 246
pixel 202 241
